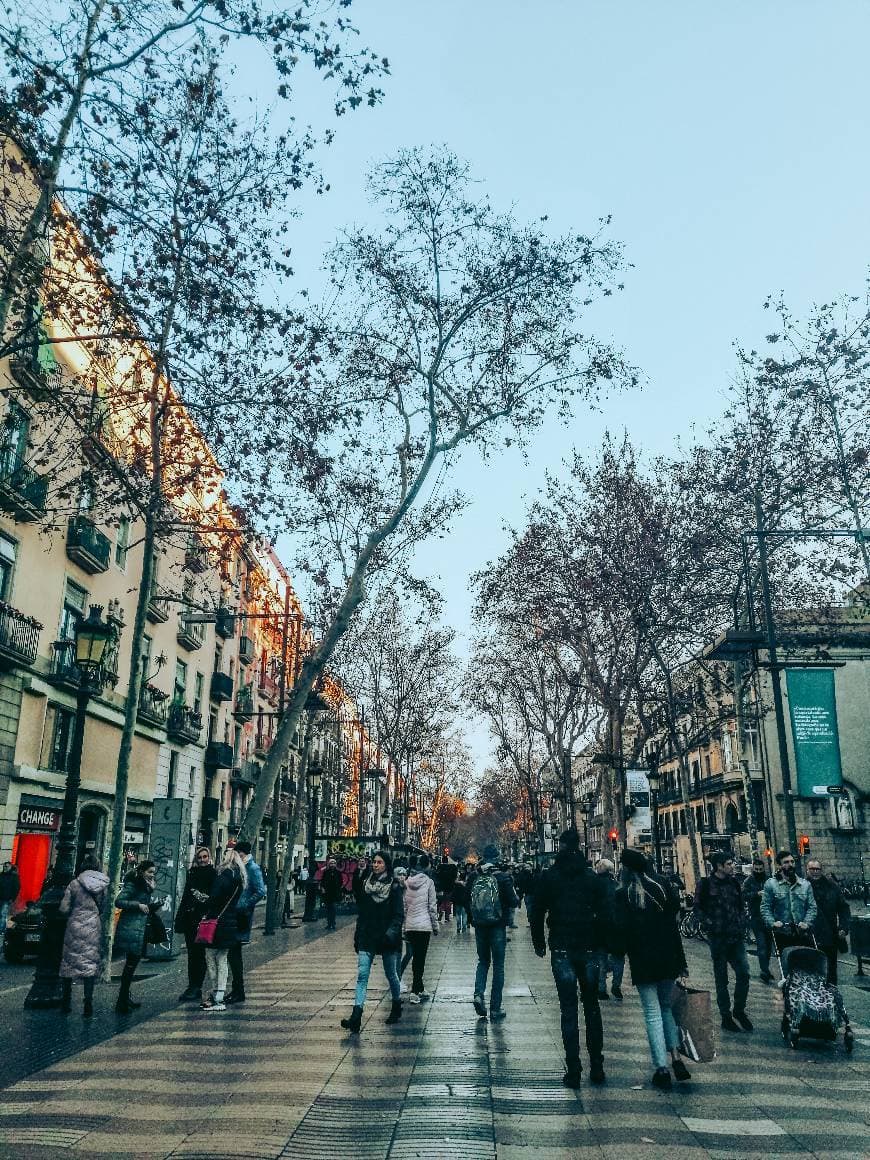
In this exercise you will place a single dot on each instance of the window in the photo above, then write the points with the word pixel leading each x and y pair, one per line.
pixel 198 683
pixel 711 817
pixel 15 438
pixel 180 692
pixel 74 600
pixel 7 565
pixel 708 765
pixel 122 543
pixel 59 723
pixel 173 774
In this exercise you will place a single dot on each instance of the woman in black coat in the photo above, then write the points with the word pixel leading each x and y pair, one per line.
pixel 378 932
pixel 646 930
pixel 230 882
pixel 197 888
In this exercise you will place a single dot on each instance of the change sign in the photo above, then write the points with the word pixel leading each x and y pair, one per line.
pixel 813 710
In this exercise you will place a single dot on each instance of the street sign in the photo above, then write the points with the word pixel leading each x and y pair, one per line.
pixel 833 790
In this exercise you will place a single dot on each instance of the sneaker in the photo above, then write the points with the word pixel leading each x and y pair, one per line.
pixel 235 997
pixel 425 996
pixel 744 1020
pixel 602 994
pixel 571 1078
pixel 662 1079
pixel 215 1006
pixel 480 1006
pixel 681 1072
pixel 498 1015
pixel 616 992
pixel 415 998
pixel 188 994
pixel 730 1024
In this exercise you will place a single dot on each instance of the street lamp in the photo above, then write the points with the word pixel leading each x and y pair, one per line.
pixel 93 637
pixel 315 773
pixel 587 806
pixel 654 778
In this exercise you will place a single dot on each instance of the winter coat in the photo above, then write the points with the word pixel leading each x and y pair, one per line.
pixel 788 903
pixel 223 905
pixel 331 884
pixel 650 937
pixel 421 907
pixel 719 903
pixel 833 911
pixel 10 885
pixel 130 932
pixel 194 899
pixel 254 892
pixel 753 885
pixel 574 902
pixel 459 897
pixel 83 905
pixel 445 878
pixel 379 924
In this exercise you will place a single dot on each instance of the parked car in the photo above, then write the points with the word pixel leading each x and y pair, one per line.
pixel 22 934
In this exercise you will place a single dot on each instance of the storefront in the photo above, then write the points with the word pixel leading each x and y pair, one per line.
pixel 33 845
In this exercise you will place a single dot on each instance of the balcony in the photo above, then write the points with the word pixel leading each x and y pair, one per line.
pixel 269 688
pixel 87 546
pixel 22 490
pixel 244 709
pixel 246 650
pixel 189 636
pixel 237 814
pixel 63 670
pixel 219 755
pixel 32 378
pixel 196 558
pixel 262 744
pixel 158 606
pixel 246 773
pixel 225 624
pixel 183 724
pixel 19 636
pixel 152 706
pixel 221 688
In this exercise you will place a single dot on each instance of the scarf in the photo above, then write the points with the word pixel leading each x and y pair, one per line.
pixel 379 888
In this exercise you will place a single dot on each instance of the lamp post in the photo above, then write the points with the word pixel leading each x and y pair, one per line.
pixel 587 806
pixel 654 778
pixel 314 775
pixel 93 636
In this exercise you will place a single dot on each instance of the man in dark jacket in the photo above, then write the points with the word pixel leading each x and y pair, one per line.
pixel 10 885
pixel 490 933
pixel 833 917
pixel 575 904
pixel 719 903
pixel 753 888
pixel 254 892
pixel 331 887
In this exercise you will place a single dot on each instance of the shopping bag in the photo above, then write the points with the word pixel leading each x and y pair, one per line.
pixel 693 1015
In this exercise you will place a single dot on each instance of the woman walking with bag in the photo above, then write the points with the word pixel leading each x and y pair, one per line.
pixel 646 929
pixel 135 904
pixel 197 888
pixel 421 922
pixel 378 932
pixel 219 929
pixel 83 904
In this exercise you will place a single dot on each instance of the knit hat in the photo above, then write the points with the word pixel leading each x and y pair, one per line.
pixel 635 860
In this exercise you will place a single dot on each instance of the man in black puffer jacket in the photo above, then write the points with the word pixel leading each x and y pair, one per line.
pixel 574 903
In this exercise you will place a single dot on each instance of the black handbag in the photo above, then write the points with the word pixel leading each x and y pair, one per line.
pixel 155 930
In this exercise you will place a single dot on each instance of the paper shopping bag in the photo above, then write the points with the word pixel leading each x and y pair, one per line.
pixel 694 1018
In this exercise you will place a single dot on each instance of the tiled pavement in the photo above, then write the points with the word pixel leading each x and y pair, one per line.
pixel 278 1078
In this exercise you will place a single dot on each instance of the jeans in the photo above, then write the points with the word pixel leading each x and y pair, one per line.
pixel 490 941
pixel 831 955
pixel 363 970
pixel 763 945
pixel 569 970
pixel 418 941
pixel 195 960
pixel 4 915
pixel 406 957
pixel 217 966
pixel 445 907
pixel 661 1030
pixel 236 966
pixel 330 908
pixel 461 919
pixel 613 963
pixel 730 953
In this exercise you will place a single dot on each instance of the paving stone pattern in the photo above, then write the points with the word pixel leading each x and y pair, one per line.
pixel 279 1078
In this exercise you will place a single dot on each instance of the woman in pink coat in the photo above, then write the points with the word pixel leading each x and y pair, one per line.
pixel 83 905
pixel 421 922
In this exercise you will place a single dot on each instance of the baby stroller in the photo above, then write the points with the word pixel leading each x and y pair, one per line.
pixel 814 1009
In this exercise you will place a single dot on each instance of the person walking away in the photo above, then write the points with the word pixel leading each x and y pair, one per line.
pixel 576 906
pixel 832 918
pixel 378 931
pixel 492 896
pixel 331 887
pixel 645 928
pixel 223 904
pixel 197 888
pixel 10 888
pixel 753 886
pixel 83 903
pixel 134 902
pixel 788 904
pixel 254 892
pixel 608 962
pixel 719 904
pixel 459 898
pixel 445 880
pixel 421 922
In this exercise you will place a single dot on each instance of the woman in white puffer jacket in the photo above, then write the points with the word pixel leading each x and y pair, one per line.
pixel 421 922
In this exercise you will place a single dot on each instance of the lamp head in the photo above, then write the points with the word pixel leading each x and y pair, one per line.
pixel 92 635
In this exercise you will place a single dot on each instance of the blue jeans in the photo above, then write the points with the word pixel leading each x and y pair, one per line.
pixel 461 918
pixel 364 967
pixel 661 1030
pixel 725 953
pixel 490 942
pixel 616 966
pixel 4 915
pixel 569 969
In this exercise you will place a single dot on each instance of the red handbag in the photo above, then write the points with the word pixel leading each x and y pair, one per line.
pixel 207 928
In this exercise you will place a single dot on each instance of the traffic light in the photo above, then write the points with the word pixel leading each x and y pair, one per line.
pixel 804 845
pixel 614 838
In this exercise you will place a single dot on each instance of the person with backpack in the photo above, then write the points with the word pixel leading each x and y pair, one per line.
pixel 719 904
pixel 576 905
pixel 491 899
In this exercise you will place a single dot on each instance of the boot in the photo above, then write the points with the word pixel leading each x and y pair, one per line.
pixel 66 997
pixel 395 1012
pixel 125 1004
pixel 354 1022
pixel 88 1009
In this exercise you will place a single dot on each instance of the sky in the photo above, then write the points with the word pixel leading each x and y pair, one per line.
pixel 728 141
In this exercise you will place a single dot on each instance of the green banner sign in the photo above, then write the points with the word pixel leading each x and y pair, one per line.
pixel 813 710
